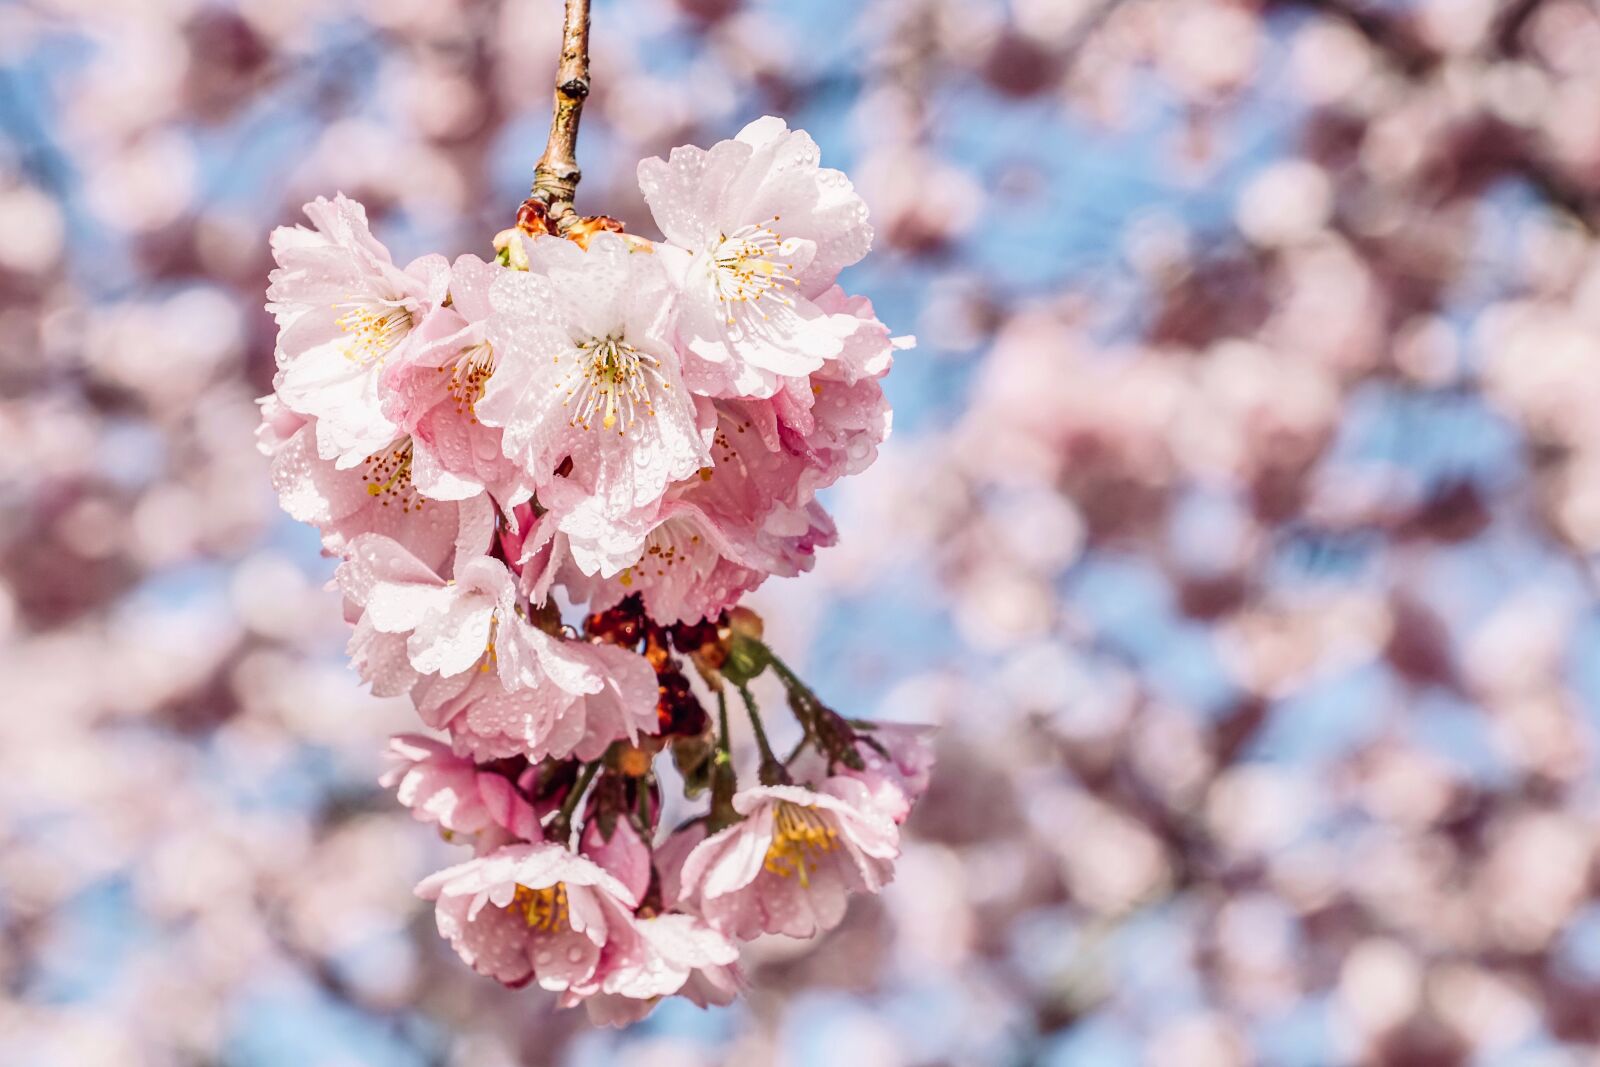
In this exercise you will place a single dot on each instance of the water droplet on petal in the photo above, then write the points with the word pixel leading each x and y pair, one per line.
pixel 574 954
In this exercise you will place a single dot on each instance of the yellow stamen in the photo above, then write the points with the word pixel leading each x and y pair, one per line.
pixel 612 380
pixel 748 267
pixel 542 909
pixel 375 328
pixel 800 838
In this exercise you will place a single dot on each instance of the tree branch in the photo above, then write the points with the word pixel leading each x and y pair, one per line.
pixel 555 178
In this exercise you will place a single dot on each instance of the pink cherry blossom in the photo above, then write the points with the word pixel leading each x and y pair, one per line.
pixel 691 568
pixel 585 370
pixel 432 395
pixel 634 431
pixel 723 532
pixel 532 912
pixel 668 954
pixel 757 231
pixel 671 852
pixel 624 852
pixel 277 425
pixel 869 349
pixel 838 417
pixel 696 564
pixel 344 310
pixel 475 666
pixel 375 497
pixel 907 754
pixel 898 760
pixel 447 626
pixel 441 787
pixel 564 698
pixel 790 864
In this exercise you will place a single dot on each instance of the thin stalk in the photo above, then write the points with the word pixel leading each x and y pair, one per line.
pixel 724 735
pixel 799 692
pixel 646 816
pixel 723 782
pixel 802 701
pixel 772 772
pixel 561 825
pixel 790 678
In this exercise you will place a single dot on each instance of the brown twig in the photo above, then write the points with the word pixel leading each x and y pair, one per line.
pixel 555 178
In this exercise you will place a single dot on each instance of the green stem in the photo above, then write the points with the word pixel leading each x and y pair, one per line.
pixel 772 772
pixel 723 783
pixel 802 701
pixel 561 825
pixel 725 736
pixel 645 818
pixel 790 679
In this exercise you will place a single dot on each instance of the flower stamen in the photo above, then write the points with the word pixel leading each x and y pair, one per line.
pixel 469 377
pixel 376 329
pixel 748 267
pixel 389 476
pixel 800 839
pixel 614 381
pixel 542 909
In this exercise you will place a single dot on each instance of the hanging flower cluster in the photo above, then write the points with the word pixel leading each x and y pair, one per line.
pixel 637 431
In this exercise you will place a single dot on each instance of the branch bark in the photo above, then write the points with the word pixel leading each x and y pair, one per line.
pixel 555 177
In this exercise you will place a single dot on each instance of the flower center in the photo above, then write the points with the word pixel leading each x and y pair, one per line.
pixel 388 476
pixel 661 551
pixel 469 376
pixel 542 909
pixel 749 266
pixel 374 328
pixel 799 841
pixel 612 381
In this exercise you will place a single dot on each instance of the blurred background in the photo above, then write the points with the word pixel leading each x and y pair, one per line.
pixel 1238 527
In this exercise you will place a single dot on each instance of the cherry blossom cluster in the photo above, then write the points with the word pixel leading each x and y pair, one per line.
pixel 549 478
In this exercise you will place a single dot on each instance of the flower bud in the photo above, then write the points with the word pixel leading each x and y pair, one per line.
pixel 747 657
pixel 510 248
pixel 746 623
